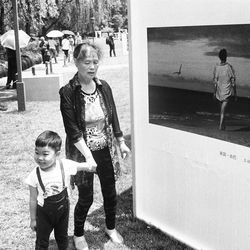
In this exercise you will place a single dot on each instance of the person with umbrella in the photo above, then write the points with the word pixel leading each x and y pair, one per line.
pixel 65 48
pixel 72 46
pixel 8 42
pixel 78 39
pixel 52 48
pixel 12 68
pixel 54 34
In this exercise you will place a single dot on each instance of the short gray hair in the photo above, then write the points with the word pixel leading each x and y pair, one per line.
pixel 81 49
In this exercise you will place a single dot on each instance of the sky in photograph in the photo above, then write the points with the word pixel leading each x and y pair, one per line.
pixel 196 49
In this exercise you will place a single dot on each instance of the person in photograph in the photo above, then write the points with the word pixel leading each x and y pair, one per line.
pixel 48 183
pixel 93 135
pixel 224 85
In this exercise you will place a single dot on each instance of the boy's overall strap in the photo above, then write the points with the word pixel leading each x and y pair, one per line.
pixel 63 173
pixel 40 179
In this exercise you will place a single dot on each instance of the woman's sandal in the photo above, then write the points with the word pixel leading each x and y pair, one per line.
pixel 114 236
pixel 80 243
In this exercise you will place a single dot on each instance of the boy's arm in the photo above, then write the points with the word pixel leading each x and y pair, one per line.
pixel 33 206
pixel 85 166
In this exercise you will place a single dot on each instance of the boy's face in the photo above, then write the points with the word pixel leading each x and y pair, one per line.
pixel 45 157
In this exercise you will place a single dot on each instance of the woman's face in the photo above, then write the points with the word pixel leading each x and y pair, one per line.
pixel 87 68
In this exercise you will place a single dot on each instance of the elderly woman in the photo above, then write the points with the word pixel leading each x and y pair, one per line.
pixel 93 133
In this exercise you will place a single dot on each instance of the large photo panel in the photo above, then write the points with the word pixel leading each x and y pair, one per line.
pixel 191 178
pixel 182 63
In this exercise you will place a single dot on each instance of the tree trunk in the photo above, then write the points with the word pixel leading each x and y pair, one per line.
pixel 1 18
pixel 28 18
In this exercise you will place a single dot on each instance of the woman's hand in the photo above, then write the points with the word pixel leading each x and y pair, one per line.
pixel 33 224
pixel 92 164
pixel 82 147
pixel 124 149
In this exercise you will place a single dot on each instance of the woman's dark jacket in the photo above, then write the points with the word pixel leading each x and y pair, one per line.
pixel 72 107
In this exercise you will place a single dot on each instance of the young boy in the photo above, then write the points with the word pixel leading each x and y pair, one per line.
pixel 48 182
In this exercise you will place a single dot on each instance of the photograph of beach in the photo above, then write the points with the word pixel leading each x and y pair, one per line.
pixel 181 64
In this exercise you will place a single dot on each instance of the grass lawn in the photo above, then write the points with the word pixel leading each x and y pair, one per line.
pixel 18 132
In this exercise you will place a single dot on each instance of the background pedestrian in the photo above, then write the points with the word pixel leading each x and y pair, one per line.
pixel 12 68
pixel 43 47
pixel 111 44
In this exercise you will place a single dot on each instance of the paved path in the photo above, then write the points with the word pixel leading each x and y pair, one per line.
pixel 66 71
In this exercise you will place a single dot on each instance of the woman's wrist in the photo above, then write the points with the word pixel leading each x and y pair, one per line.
pixel 120 140
pixel 88 156
pixel 83 148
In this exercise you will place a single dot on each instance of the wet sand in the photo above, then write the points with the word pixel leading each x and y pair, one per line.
pixel 196 84
pixel 197 112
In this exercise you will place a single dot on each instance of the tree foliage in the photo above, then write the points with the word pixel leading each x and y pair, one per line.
pixel 117 21
pixel 37 17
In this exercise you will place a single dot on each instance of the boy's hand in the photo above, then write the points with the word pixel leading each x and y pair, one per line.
pixel 91 165
pixel 33 225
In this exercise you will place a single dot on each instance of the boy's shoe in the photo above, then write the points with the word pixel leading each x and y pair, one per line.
pixel 80 243
pixel 114 236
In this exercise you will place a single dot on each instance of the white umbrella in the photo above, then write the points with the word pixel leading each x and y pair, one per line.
pixel 55 33
pixel 68 32
pixel 8 39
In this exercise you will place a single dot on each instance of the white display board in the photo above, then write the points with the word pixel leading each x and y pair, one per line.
pixel 192 181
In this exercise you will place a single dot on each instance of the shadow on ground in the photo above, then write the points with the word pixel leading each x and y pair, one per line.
pixel 136 233
pixel 7 94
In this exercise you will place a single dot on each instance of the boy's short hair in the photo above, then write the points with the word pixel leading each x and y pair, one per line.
pixel 50 139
